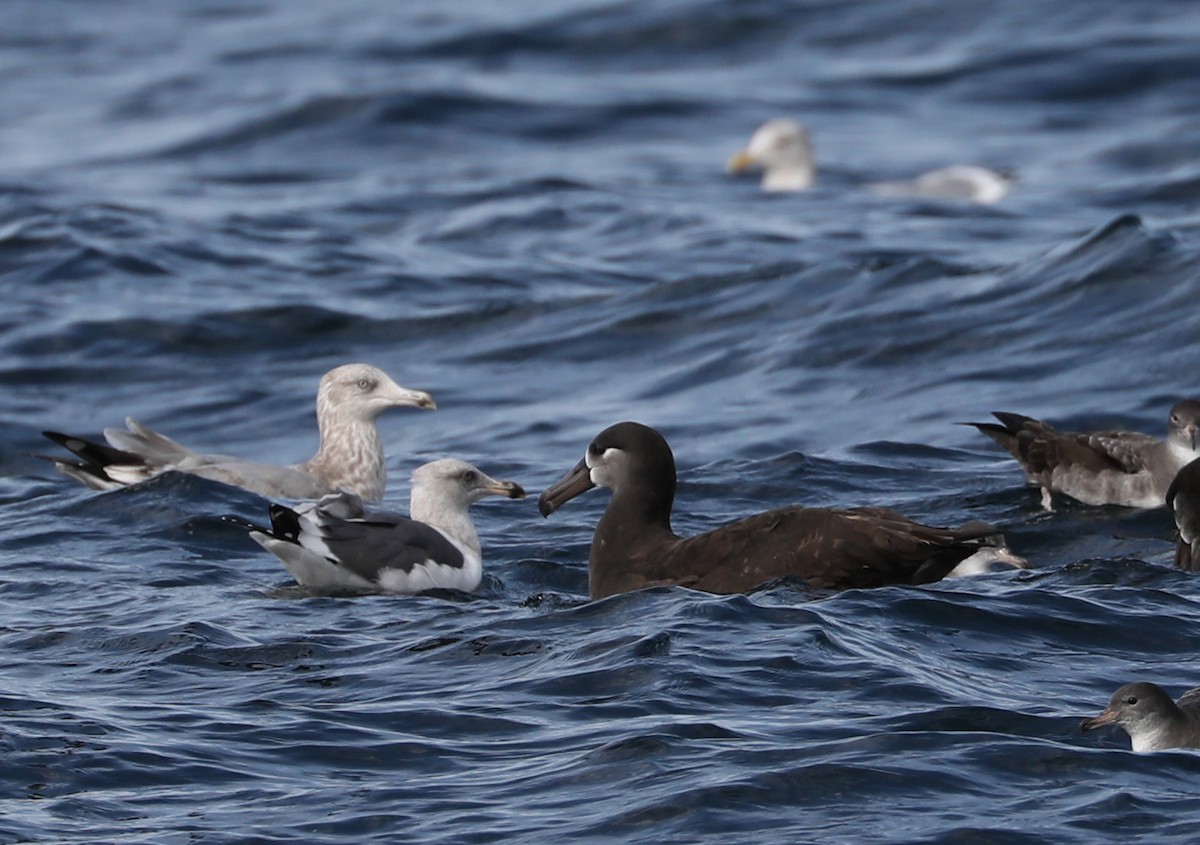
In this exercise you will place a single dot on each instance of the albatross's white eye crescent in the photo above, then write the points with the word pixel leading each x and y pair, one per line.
pixel 602 465
pixel 593 458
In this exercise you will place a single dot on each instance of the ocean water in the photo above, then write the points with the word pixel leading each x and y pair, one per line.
pixel 523 209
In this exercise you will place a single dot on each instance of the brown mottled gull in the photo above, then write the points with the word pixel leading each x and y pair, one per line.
pixel 349 458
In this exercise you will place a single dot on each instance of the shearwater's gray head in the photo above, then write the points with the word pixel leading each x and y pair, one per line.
pixel 364 392
pixel 1184 423
pixel 1145 711
pixel 782 150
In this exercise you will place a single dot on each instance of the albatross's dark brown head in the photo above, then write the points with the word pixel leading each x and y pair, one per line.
pixel 631 459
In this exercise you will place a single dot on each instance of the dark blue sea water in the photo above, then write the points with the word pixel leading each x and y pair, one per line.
pixel 522 208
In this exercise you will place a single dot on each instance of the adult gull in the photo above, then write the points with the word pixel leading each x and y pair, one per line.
pixel 349 456
pixel 782 149
pixel 336 545
pixel 1101 467
pixel 1153 721
pixel 634 546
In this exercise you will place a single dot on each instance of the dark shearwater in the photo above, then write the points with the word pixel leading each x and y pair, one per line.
pixel 349 457
pixel 335 544
pixel 634 546
pixel 1103 467
pixel 1153 721
pixel 1183 500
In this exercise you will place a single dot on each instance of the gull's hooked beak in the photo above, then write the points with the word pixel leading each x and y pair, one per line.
pixel 405 397
pixel 508 489
pixel 741 161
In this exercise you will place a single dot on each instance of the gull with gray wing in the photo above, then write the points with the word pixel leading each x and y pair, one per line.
pixel 336 545
pixel 349 457
pixel 1102 467
pixel 968 182
pixel 782 150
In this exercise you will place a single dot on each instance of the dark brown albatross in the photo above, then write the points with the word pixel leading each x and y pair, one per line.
pixel 634 546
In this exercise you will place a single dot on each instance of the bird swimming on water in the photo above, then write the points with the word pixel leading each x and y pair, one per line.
pixel 1153 721
pixel 1101 467
pixel 349 457
pixel 634 546
pixel 970 182
pixel 335 544
pixel 782 149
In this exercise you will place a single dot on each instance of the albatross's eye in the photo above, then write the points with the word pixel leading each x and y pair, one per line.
pixel 595 448
pixel 1131 700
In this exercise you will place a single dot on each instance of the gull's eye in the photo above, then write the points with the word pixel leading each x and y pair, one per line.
pixel 470 476
pixel 1175 418
pixel 364 383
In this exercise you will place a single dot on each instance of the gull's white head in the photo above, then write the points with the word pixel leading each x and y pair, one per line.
pixel 365 392
pixel 782 150
pixel 457 485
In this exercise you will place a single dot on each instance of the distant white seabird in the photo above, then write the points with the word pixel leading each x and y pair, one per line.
pixel 956 182
pixel 335 545
pixel 783 151
pixel 349 457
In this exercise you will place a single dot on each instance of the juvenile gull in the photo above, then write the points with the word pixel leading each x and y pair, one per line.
pixel 335 545
pixel 1103 467
pixel 349 457
pixel 1153 721
pixel 781 149
pixel 1183 500
pixel 956 182
pixel 634 546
